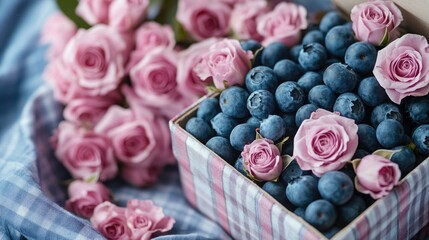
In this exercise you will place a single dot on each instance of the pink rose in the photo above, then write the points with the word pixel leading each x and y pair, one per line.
pixel 87 111
pixel 402 67
pixel 111 222
pixel 243 19
pixel 371 20
pixel 97 56
pixel 84 153
pixel 94 11
pixel 144 219
pixel 133 135
pixel 325 142
pixel 204 20
pixel 376 176
pixel 283 24
pixel 262 160
pixel 63 81
pixel 57 31
pixel 225 62
pixel 84 197
pixel 233 2
pixel 187 78
pixel 149 36
pixel 140 176
pixel 154 78
pixel 126 14
pixel 153 34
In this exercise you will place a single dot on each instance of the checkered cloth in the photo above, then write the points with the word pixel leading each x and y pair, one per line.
pixel 32 181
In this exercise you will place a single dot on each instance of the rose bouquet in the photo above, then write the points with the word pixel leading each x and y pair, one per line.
pixel 327 119
pixel 122 69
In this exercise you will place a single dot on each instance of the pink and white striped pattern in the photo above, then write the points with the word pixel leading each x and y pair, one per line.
pixel 246 212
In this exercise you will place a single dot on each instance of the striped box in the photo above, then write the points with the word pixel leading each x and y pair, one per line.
pixel 245 211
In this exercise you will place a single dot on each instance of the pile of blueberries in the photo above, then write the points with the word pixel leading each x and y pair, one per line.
pixel 330 69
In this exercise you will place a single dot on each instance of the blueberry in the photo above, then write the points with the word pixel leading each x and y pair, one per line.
pixel 336 187
pixel 367 139
pixel 223 148
pixel 421 139
pixel 349 25
pixel 276 190
pixel 289 119
pixel 330 20
pixel 254 122
pixel 287 70
pixel 289 97
pixel 340 78
pixel 321 214
pixel 418 110
pixel 312 56
pixel 304 112
pixel 407 139
pixel 405 159
pixel 390 133
pixel 239 166
pixel 385 111
pixel 294 52
pixel 241 135
pixel 233 102
pixel 273 53
pixel 261 78
pixel 273 128
pixel 361 57
pixel 338 39
pixel 350 210
pixel 350 105
pixel 223 124
pixel 200 129
pixel 371 92
pixel 261 103
pixel 250 45
pixel 314 36
pixel 300 212
pixel 310 80
pixel 322 96
pixel 255 47
pixel 292 172
pixel 302 191
pixel 331 232
pixel 208 109
pixel 360 153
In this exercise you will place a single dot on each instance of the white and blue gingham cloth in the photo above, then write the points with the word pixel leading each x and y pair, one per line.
pixel 32 181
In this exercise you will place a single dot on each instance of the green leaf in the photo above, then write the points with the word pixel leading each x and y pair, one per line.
pixel 280 144
pixel 256 55
pixel 212 88
pixel 93 178
pixel 225 84
pixel 355 163
pixel 385 39
pixel 167 12
pixel 385 153
pixel 258 135
pixel 286 161
pixel 68 7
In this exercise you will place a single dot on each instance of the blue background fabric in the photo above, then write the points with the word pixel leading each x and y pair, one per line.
pixel 32 182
